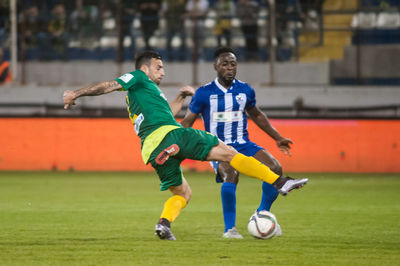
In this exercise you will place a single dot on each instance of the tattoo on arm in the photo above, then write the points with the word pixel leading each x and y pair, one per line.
pixel 99 88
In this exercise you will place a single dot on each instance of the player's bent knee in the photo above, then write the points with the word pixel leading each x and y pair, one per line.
pixel 231 179
pixel 228 173
pixel 183 190
pixel 276 168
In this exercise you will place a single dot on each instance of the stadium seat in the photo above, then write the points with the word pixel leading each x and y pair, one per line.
pixel 388 20
pixel 364 20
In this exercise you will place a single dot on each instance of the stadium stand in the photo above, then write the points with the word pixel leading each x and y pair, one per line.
pixel 334 33
pixel 374 53
pixel 91 31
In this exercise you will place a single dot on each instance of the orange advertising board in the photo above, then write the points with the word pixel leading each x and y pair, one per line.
pixel 109 144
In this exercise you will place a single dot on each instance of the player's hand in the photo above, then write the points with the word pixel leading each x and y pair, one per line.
pixel 186 91
pixel 284 145
pixel 69 99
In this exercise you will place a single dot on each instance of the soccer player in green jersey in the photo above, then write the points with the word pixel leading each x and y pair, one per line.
pixel 165 143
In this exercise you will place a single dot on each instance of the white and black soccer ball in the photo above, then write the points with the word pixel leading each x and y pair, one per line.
pixel 263 225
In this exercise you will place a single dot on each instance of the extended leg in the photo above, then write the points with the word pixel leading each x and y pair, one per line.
pixel 253 168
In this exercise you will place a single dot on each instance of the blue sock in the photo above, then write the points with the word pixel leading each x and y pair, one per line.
pixel 228 198
pixel 269 195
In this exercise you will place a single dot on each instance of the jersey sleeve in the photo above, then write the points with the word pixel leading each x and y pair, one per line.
pixel 197 103
pixel 130 79
pixel 251 98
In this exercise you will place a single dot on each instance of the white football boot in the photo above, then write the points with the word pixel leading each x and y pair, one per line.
pixel 278 230
pixel 291 184
pixel 232 233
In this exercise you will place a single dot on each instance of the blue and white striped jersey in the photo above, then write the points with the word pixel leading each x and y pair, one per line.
pixel 223 110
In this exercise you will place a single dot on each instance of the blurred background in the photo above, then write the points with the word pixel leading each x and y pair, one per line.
pixel 319 52
pixel 307 59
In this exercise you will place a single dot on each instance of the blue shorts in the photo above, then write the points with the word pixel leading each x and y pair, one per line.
pixel 248 149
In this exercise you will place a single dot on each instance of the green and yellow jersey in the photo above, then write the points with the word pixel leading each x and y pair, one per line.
pixel 148 109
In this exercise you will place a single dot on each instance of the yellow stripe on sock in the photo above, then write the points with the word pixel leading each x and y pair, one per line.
pixel 173 207
pixel 254 168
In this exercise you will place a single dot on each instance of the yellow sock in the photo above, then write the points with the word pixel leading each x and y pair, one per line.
pixel 254 168
pixel 173 207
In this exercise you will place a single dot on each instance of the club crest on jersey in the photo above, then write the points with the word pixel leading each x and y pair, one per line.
pixel 239 98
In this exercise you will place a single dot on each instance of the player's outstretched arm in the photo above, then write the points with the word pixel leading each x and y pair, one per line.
pixel 263 123
pixel 189 119
pixel 176 105
pixel 94 89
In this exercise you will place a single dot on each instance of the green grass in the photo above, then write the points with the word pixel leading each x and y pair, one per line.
pixel 60 218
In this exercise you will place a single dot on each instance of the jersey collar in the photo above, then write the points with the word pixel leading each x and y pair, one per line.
pixel 222 88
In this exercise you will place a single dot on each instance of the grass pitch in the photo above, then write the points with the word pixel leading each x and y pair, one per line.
pixel 60 218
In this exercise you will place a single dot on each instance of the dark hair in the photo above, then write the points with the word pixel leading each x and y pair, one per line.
pixel 223 50
pixel 145 57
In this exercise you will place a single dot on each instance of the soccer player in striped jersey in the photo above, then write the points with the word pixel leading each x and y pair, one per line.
pixel 223 105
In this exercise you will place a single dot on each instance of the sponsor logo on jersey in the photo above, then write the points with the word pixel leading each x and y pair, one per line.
pixel 138 121
pixel 229 116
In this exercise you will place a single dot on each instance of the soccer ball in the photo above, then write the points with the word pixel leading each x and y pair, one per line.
pixel 262 224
